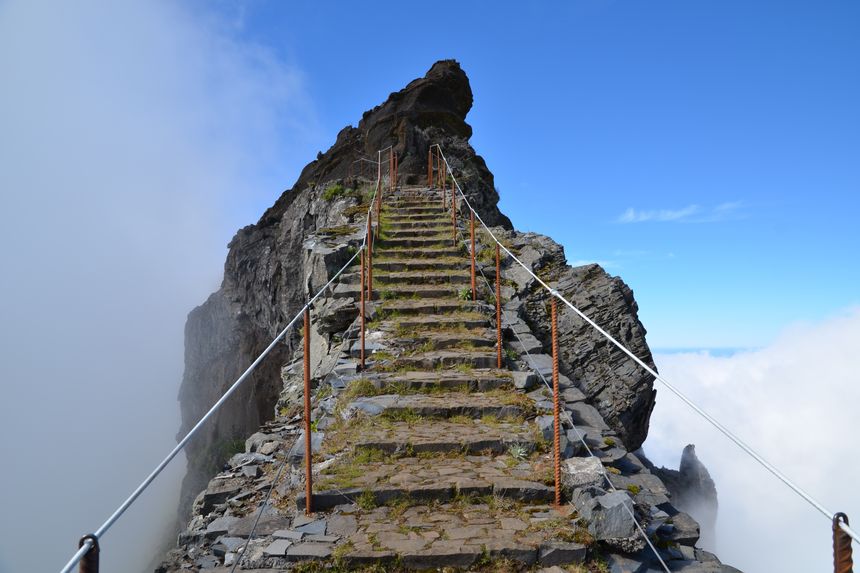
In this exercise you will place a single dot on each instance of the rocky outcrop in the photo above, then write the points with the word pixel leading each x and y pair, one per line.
pixel 621 391
pixel 693 491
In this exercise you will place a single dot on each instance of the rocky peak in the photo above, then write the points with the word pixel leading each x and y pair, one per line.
pixel 298 244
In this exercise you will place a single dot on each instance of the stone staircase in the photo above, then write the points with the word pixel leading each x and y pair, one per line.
pixel 437 459
pixel 432 457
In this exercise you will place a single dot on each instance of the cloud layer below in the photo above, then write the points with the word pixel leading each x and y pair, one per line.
pixel 135 137
pixel 795 402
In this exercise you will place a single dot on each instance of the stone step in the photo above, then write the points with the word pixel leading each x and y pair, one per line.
pixel 444 404
pixel 405 223
pixel 439 479
pixel 413 265
pixel 479 338
pixel 447 359
pixel 415 209
pixel 475 380
pixel 352 289
pixel 428 253
pixel 409 232
pixel 440 217
pixel 428 306
pixel 421 277
pixel 451 536
pixel 440 436
pixel 427 202
pixel 420 242
pixel 442 321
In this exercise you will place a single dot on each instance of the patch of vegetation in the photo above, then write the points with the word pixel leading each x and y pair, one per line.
pixel 511 354
pixel 634 489
pixel 609 442
pixel 366 500
pixel 518 452
pixel 358 388
pixel 336 231
pixel 465 293
pixel 337 191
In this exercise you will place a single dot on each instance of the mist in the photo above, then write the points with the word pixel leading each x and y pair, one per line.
pixel 795 403
pixel 135 138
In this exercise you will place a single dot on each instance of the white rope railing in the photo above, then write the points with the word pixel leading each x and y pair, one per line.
pixel 671 387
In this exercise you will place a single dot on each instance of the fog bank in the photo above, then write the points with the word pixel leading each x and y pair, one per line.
pixel 135 139
pixel 794 402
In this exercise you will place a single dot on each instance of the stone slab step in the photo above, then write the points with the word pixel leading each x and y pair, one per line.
pixel 440 217
pixel 458 277
pixel 446 535
pixel 421 483
pixel 447 340
pixel 428 306
pixel 412 232
pixel 420 265
pixel 411 223
pixel 352 290
pixel 416 209
pixel 444 436
pixel 475 380
pixel 420 242
pixel 448 358
pixel 441 321
pixel 412 253
pixel 441 405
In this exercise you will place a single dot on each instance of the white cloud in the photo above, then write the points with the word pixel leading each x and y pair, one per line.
pixel 688 214
pixel 795 402
pixel 135 135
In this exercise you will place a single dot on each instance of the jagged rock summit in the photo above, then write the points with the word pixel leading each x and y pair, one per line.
pixel 432 456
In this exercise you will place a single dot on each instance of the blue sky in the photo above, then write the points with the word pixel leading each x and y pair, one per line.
pixel 707 152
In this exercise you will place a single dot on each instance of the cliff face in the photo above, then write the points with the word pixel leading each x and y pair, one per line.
pixel 273 266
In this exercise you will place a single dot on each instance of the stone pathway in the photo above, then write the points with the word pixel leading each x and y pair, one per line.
pixel 432 457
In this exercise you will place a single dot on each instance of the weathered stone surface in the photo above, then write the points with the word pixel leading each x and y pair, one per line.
pixel 304 551
pixel 278 547
pixel 559 553
pixel 608 514
pixel 581 472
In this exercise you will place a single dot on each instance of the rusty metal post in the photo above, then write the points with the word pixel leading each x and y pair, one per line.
pixel 498 308
pixel 90 561
pixel 361 307
pixel 556 423
pixel 472 228
pixel 309 488
pixel 843 561
pixel 391 169
pixel 429 168
pixel 454 218
pixel 396 169
pixel 378 209
pixel 369 241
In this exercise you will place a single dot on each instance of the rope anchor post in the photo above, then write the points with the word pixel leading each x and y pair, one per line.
pixel 90 561
pixel 843 561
